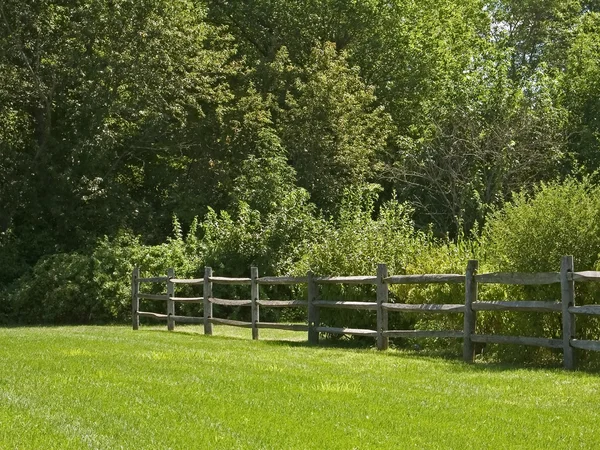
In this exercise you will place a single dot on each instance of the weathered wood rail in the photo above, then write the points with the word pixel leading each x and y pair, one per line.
pixel 471 279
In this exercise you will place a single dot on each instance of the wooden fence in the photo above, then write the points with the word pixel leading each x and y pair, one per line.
pixel 566 306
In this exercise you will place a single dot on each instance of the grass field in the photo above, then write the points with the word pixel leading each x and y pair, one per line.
pixel 110 387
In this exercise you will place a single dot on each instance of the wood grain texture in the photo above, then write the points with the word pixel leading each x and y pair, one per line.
pixel 153 315
pixel 283 303
pixel 383 341
pixel 135 300
pixel 533 306
pixel 589 275
pixel 207 305
pixel 225 280
pixel 593 310
pixel 190 281
pixel 567 293
pixel 346 280
pixel 351 331
pixel 233 323
pixel 312 310
pixel 282 280
pixel 370 306
pixel 255 308
pixel 471 292
pixel 188 319
pixel 426 279
pixel 525 279
pixel 188 299
pixel 170 302
pixel 586 345
pixel 425 308
pixel 424 333
pixel 227 302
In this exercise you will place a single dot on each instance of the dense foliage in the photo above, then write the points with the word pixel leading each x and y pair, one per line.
pixel 319 135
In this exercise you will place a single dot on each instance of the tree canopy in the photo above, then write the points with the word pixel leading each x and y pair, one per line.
pixel 118 115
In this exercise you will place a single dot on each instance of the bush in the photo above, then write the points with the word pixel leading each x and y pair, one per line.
pixel 531 234
pixel 358 242
pixel 96 288
pixel 272 240
pixel 60 289
pixel 437 256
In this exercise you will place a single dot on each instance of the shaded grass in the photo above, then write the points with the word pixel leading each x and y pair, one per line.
pixel 110 387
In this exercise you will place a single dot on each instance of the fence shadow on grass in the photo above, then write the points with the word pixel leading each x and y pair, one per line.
pixel 452 359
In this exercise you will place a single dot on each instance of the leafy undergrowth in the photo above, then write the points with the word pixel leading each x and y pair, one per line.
pixel 110 387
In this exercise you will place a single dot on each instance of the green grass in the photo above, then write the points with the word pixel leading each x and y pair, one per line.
pixel 110 387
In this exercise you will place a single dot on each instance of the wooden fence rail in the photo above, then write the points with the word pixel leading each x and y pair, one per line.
pixel 471 279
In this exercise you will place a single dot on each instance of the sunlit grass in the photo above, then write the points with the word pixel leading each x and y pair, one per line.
pixel 110 387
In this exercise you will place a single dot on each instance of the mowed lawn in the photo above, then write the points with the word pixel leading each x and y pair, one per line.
pixel 110 387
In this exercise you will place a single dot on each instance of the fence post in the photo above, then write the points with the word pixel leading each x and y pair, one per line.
pixel 470 297
pixel 382 314
pixel 254 298
pixel 567 290
pixel 313 310
pixel 170 303
pixel 208 306
pixel 135 300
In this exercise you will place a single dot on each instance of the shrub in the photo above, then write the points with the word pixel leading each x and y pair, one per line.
pixel 61 288
pixel 437 256
pixel 358 242
pixel 531 234
pixel 272 240
pixel 96 288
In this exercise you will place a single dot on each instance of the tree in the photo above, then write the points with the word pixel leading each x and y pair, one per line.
pixel 535 31
pixel 98 96
pixel 263 27
pixel 331 126
pixel 497 138
pixel 581 84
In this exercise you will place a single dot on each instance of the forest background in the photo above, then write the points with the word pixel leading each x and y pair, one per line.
pixel 324 135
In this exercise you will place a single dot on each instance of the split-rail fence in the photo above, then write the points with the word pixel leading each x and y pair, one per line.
pixel 567 277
